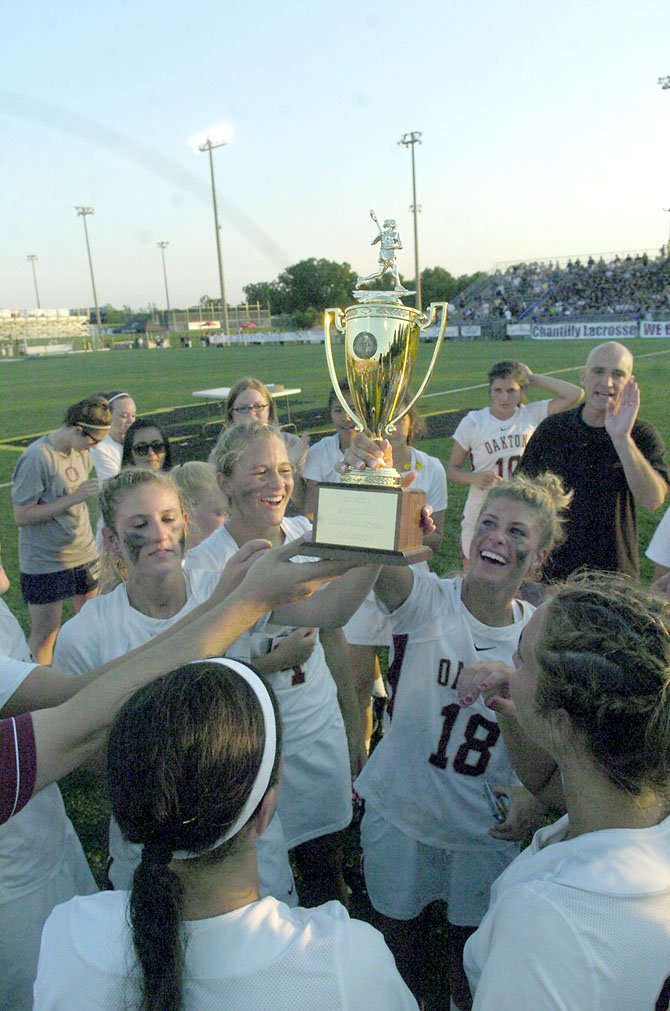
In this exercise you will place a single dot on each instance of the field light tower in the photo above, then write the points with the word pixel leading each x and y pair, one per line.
pixel 664 83
pixel 31 260
pixel 410 140
pixel 83 212
pixel 218 136
pixel 163 246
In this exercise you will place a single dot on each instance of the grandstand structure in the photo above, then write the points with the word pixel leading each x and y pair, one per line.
pixel 628 286
pixel 41 331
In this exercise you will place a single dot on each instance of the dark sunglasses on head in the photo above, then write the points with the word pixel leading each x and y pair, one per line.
pixel 142 448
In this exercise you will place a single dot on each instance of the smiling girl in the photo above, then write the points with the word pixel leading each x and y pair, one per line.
pixel 256 475
pixel 425 832
pixel 145 528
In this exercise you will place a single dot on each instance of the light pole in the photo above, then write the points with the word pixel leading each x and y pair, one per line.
pixel 163 246
pixel 667 210
pixel 409 140
pixel 31 259
pixel 218 136
pixel 83 212
pixel 664 83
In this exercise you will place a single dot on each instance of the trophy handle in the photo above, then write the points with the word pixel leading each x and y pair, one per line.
pixel 335 316
pixel 424 323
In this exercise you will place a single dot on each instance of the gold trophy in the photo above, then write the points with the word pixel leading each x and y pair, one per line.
pixel 368 515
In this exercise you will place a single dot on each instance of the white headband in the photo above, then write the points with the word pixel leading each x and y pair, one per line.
pixel 264 774
pixel 117 396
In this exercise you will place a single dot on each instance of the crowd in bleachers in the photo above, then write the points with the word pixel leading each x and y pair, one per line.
pixel 631 286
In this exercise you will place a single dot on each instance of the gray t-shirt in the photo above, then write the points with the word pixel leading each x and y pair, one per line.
pixel 43 474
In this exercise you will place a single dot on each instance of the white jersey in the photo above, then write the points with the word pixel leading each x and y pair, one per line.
pixel 41 860
pixel 108 627
pixel 497 446
pixel 578 923
pixel 322 458
pixel 370 625
pixel 106 458
pixel 427 774
pixel 307 695
pixel 263 956
pixel 659 546
pixel 316 794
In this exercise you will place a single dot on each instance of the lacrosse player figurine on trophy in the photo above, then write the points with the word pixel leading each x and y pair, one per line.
pixel 369 516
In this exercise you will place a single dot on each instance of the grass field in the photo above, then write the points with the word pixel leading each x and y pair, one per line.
pixel 35 393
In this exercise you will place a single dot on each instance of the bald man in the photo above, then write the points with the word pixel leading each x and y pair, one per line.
pixel 609 459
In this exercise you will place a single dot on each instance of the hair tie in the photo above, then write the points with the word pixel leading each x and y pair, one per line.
pixel 157 853
pixel 264 774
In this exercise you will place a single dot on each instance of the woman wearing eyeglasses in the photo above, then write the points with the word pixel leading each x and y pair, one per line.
pixel 250 400
pixel 145 445
pixel 58 557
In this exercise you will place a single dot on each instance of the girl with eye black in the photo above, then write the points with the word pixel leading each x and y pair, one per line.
pixel 145 529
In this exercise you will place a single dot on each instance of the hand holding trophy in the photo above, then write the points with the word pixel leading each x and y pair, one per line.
pixel 369 516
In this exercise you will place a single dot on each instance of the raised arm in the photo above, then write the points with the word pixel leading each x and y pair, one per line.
pixel 334 605
pixel 564 394
pixel 73 731
pixel 536 769
pixel 646 484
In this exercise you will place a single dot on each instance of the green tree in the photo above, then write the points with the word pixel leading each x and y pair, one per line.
pixel 317 284
pixel 268 293
pixel 437 285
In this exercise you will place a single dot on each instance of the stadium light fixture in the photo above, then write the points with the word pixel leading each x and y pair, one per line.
pixel 31 260
pixel 664 83
pixel 163 246
pixel 83 212
pixel 410 140
pixel 218 136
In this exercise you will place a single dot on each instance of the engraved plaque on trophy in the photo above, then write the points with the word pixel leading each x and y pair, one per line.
pixel 368 515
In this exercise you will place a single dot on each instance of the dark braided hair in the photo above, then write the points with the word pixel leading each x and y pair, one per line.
pixel 183 756
pixel 605 659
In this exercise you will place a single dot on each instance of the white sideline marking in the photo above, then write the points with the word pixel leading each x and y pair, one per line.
pixel 556 372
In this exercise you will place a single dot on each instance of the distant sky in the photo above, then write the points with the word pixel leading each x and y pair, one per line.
pixel 544 134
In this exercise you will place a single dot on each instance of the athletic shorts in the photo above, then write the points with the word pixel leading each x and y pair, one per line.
pixel 315 797
pixel 48 587
pixel 403 876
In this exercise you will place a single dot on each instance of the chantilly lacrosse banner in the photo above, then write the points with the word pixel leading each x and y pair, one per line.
pixel 572 330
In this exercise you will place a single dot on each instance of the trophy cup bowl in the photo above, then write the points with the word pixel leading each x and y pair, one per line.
pixel 368 516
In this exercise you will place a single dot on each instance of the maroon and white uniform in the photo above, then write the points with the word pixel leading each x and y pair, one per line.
pixel 426 777
pixel 496 446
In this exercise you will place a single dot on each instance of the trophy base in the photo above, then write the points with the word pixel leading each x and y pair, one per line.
pixel 368 524
pixel 366 556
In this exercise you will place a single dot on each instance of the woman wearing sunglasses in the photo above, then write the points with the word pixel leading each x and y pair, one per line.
pixel 145 445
